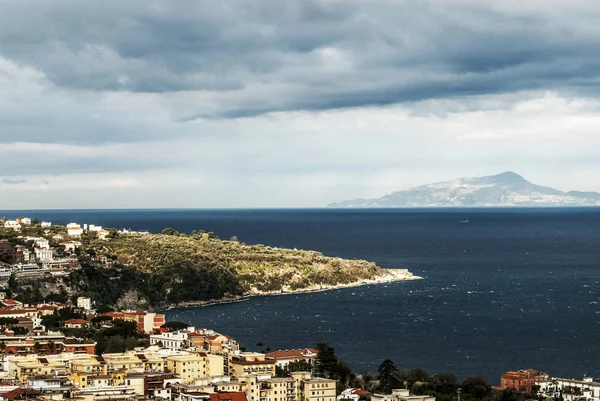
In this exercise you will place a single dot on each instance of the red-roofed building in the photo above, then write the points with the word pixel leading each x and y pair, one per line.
pixel 12 303
pixel 236 396
pixel 284 357
pixel 76 323
pixel 45 310
pixel 523 381
pixel 19 394
pixel 352 394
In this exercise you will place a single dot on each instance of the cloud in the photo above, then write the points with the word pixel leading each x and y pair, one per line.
pixel 12 181
pixel 295 103
pixel 236 59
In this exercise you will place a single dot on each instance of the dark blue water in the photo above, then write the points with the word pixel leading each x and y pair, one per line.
pixel 510 289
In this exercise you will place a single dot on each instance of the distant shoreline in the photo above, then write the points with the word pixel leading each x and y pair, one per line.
pixel 394 275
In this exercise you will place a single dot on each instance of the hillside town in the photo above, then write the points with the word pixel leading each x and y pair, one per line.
pixel 39 248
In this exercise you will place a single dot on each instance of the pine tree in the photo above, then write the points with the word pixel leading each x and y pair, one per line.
pixel 326 361
pixel 387 374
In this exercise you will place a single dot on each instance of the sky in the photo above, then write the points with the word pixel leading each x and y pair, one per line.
pixel 296 103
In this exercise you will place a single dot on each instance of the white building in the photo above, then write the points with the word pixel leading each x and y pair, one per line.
pixel 171 340
pixel 70 246
pixel 25 221
pixel 103 234
pixel 72 225
pixel 44 254
pixel 46 224
pixel 84 303
pixel 571 389
pixel 74 231
pixel 351 394
pixel 12 224
pixel 401 395
pixel 41 243
pixel 94 228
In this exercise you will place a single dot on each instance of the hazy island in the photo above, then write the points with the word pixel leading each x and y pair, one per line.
pixel 129 269
pixel 507 189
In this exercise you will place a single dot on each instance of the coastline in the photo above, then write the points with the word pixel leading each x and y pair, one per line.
pixel 390 276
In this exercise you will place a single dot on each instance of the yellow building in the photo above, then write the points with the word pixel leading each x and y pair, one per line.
pixel 248 363
pixel 194 366
pixel 315 388
pixel 22 367
pixel 277 389
pixel 127 363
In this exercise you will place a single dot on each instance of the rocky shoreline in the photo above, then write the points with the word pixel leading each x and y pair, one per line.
pixel 390 276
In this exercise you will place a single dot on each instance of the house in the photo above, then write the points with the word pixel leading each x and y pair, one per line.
pixel 174 340
pixel 12 303
pixel 284 357
pixel 570 389
pixel 41 243
pixel 25 221
pixel 70 246
pixel 74 231
pixel 246 363
pixel 22 254
pixel 352 394
pixel 7 251
pixel 44 254
pixel 76 323
pixel 190 367
pixel 401 395
pixel 103 234
pixel 95 228
pixel 58 237
pixel 46 224
pixel 522 381
pixel 84 303
pixel 12 224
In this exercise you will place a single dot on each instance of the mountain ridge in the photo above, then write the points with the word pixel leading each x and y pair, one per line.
pixel 501 190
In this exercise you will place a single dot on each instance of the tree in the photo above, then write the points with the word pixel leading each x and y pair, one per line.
pixel 115 344
pixel 130 343
pixel 104 309
pixel 387 374
pixel 8 321
pixel 475 387
pixel 19 330
pixel 52 321
pixel 326 361
pixel 175 325
pixel 170 231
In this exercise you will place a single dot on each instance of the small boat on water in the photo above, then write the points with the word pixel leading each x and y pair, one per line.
pixel 464 221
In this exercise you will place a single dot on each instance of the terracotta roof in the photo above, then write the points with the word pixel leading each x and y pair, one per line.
pixel 19 393
pixel 76 321
pixel 11 301
pixel 292 353
pixel 6 311
pixel 237 396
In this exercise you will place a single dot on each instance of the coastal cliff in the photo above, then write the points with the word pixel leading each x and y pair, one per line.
pixel 154 271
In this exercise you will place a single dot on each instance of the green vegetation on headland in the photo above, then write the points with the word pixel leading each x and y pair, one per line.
pixel 169 269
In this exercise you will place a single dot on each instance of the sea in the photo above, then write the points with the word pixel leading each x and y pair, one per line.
pixel 502 289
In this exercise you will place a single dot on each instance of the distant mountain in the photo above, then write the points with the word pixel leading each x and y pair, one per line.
pixel 506 189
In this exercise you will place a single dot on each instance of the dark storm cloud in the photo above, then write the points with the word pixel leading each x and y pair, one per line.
pixel 387 52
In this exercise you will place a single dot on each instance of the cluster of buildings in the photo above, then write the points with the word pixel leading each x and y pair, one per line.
pixel 54 252
pixel 535 382
pixel 185 365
